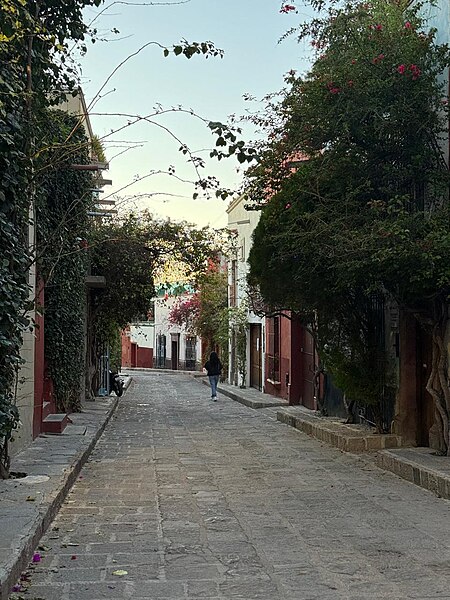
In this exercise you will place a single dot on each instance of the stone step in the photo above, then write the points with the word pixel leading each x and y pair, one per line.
pixel 349 438
pixel 55 423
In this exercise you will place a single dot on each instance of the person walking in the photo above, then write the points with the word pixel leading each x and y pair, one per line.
pixel 213 368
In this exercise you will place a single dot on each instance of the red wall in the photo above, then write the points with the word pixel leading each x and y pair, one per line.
pixel 135 356
pixel 281 390
pixel 144 357
pixel 291 371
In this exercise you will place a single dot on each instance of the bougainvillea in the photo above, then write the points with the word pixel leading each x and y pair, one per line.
pixel 186 312
pixel 354 187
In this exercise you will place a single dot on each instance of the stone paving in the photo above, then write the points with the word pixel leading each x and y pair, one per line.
pixel 188 499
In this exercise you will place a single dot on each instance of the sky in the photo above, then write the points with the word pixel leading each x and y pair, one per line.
pixel 254 63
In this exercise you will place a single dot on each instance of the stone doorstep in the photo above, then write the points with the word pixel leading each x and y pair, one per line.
pixel 349 438
pixel 433 480
pixel 55 423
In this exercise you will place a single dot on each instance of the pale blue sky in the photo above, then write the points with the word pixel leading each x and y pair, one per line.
pixel 254 62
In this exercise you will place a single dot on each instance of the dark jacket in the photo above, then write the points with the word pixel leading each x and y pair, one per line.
pixel 213 368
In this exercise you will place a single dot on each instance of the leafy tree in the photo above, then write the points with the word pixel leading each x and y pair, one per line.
pixel 129 252
pixel 353 188
pixel 238 325
pixel 206 313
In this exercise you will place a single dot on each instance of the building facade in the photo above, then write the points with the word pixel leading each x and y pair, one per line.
pixel 241 224
pixel 174 347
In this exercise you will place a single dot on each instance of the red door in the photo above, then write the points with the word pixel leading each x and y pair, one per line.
pixel 133 355
pixel 255 357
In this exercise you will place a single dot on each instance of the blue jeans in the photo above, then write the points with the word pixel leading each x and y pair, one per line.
pixel 213 381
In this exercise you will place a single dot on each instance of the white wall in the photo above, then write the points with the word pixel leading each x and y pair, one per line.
pixel 243 222
pixel 23 436
pixel 162 326
pixel 142 334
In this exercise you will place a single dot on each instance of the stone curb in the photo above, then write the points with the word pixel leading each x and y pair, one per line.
pixel 434 481
pixel 249 402
pixel 29 540
pixel 345 437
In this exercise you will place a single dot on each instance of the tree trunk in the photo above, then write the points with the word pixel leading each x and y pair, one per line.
pixel 438 385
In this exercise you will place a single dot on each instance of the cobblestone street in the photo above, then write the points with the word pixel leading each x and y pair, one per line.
pixel 188 499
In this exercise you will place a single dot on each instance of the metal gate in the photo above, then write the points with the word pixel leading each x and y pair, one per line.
pixel 191 353
pixel 160 351
pixel 102 380
pixel 376 325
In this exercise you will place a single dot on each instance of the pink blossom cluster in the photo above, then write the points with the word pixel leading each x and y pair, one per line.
pixel 378 59
pixel 333 89
pixel 414 69
pixel 185 310
pixel 287 8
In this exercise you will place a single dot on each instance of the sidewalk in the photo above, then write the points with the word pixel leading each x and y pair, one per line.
pixel 417 465
pixel 52 464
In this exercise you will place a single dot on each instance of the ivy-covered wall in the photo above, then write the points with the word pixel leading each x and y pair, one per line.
pixel 62 226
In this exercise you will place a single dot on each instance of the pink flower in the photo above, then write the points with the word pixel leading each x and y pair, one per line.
pixel 288 206
pixel 408 25
pixel 401 69
pixel 287 8
pixel 350 83
pixel 416 72
pixel 335 90
pixel 379 27
pixel 36 557
pixel 353 61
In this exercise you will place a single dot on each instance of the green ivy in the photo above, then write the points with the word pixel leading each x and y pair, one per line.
pixel 63 201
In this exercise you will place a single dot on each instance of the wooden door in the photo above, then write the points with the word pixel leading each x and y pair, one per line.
pixel 308 365
pixel 255 356
pixel 174 354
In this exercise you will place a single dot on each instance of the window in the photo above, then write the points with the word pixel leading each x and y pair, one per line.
pixel 273 356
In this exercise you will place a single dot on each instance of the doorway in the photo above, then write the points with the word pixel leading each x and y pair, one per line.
pixel 175 351
pixel 308 368
pixel 255 356
pixel 425 403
